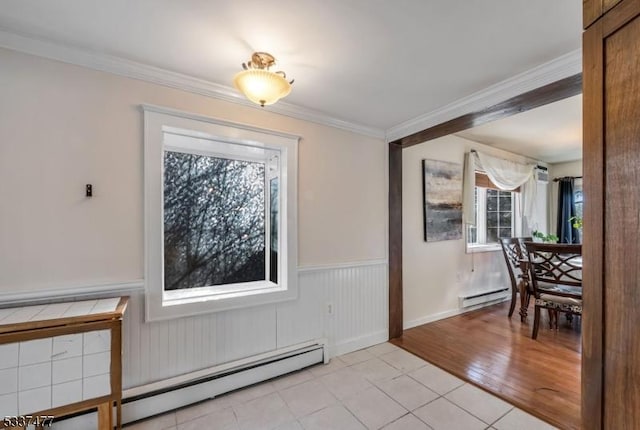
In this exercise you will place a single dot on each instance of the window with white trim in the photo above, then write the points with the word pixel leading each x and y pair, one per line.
pixel 496 215
pixel 220 215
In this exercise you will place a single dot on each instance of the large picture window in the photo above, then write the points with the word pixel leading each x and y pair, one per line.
pixel 215 235
pixel 214 221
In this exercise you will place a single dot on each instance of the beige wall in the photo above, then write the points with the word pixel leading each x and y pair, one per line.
pixel 559 170
pixel 435 274
pixel 63 126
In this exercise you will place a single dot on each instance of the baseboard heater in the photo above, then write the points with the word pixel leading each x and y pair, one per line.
pixel 154 399
pixel 475 299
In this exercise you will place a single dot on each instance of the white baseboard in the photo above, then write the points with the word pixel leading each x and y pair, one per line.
pixel 490 296
pixel 446 314
pixel 140 403
pixel 357 343
pixel 169 400
pixel 172 399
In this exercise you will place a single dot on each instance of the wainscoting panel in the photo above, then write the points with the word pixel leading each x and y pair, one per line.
pixel 346 304
pixel 359 299
pixel 164 349
pixel 302 319
pixel 245 332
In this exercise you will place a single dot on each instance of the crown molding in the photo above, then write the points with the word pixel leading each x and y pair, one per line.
pixel 135 70
pixel 552 71
pixel 559 68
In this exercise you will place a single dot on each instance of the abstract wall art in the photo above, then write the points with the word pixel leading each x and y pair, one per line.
pixel 442 200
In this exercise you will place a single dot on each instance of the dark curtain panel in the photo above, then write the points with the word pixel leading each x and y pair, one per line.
pixel 566 210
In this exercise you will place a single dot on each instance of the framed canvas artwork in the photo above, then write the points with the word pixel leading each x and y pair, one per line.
pixel 442 200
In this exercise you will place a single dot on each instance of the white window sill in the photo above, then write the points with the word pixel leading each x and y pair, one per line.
pixel 219 293
pixel 185 303
pixel 489 247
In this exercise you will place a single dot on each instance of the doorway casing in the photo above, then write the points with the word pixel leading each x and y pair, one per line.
pixel 546 94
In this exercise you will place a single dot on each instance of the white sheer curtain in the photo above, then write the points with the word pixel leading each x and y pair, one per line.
pixel 506 175
pixel 468 189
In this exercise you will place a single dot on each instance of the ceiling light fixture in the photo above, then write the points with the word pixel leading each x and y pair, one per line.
pixel 259 84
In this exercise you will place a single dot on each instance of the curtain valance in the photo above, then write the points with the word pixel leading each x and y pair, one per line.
pixel 507 175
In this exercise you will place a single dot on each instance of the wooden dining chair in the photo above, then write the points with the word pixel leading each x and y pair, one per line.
pixel 523 247
pixel 556 279
pixel 526 290
pixel 513 255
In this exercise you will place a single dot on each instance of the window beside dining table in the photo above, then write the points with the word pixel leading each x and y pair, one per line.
pixel 495 215
pixel 578 203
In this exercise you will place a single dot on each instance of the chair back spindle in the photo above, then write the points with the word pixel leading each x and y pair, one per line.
pixel 555 272
pixel 512 252
pixel 552 266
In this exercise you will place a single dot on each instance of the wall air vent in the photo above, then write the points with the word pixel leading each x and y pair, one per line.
pixel 542 174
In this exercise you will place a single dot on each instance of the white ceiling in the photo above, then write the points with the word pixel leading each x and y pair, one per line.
pixel 551 133
pixel 376 63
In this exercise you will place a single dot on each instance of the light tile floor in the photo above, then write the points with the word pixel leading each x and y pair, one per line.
pixel 381 387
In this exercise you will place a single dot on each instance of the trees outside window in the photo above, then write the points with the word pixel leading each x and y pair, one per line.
pixel 221 215
pixel 214 221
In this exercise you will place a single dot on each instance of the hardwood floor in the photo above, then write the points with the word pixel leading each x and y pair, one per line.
pixel 497 354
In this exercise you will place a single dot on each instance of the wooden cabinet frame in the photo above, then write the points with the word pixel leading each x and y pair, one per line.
pixel 42 329
pixel 611 71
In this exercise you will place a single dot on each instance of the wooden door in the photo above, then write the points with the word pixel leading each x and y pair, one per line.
pixel 611 326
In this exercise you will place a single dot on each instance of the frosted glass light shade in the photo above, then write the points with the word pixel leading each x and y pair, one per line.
pixel 262 86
